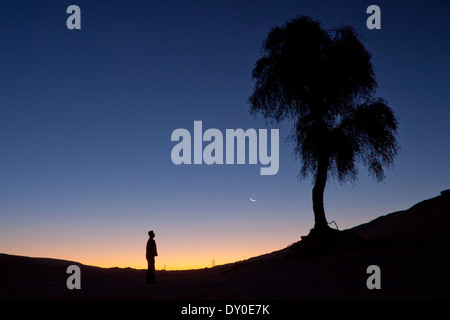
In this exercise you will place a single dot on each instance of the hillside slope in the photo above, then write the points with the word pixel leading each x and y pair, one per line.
pixel 429 219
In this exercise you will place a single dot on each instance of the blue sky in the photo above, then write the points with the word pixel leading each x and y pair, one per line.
pixel 86 118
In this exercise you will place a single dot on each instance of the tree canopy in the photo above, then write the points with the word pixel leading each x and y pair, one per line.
pixel 324 81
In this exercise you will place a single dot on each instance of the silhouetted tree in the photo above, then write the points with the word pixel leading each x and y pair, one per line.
pixel 324 82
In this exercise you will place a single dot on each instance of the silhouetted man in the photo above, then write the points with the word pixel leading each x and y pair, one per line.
pixel 151 253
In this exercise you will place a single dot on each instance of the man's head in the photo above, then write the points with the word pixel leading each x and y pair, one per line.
pixel 151 234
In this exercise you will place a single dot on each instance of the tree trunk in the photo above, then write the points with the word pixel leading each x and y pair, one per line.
pixel 320 221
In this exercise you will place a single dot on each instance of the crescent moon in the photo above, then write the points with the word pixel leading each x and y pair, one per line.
pixel 252 200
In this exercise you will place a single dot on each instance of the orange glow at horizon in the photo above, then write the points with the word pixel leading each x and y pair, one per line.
pixel 167 261
pixel 127 248
pixel 184 246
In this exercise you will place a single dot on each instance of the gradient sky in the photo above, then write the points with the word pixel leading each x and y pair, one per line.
pixel 86 118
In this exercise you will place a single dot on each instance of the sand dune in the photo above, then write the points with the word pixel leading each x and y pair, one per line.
pixel 413 255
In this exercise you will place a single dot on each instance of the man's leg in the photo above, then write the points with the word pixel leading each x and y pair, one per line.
pixel 151 271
